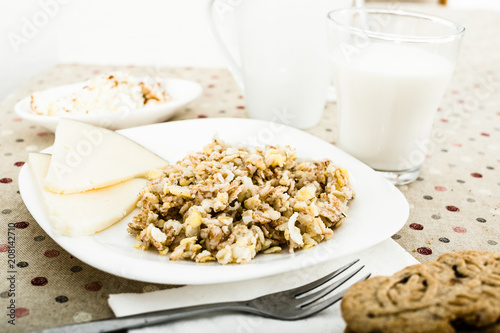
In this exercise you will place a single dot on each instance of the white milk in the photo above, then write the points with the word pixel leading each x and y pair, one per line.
pixel 285 67
pixel 388 95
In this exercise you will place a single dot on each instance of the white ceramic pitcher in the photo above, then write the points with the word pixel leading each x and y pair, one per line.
pixel 281 63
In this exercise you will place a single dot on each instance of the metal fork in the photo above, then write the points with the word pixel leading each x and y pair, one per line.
pixel 292 304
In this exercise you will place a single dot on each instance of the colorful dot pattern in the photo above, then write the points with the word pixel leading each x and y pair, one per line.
pixel 454 202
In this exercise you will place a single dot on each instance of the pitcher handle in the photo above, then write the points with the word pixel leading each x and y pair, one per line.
pixel 231 63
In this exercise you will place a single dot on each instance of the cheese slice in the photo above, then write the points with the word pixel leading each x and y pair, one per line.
pixel 87 157
pixel 88 212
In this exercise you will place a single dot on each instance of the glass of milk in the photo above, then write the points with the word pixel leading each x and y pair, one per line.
pixel 277 53
pixel 390 71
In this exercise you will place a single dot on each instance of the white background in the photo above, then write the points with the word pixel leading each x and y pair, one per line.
pixel 139 32
pixel 145 32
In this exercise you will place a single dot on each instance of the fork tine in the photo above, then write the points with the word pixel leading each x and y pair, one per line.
pixel 301 290
pixel 321 305
pixel 325 291
pixel 317 307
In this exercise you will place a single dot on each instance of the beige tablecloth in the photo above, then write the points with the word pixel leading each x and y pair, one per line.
pixel 455 204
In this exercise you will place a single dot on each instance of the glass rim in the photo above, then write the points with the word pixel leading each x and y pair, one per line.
pixel 459 28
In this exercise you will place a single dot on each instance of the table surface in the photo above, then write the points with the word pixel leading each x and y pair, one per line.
pixel 454 204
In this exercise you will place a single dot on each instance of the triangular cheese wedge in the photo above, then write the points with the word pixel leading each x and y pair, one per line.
pixel 87 157
pixel 84 213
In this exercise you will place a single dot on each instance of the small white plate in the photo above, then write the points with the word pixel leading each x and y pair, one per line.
pixel 182 92
pixel 378 211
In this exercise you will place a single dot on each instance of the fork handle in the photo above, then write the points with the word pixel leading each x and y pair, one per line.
pixel 146 319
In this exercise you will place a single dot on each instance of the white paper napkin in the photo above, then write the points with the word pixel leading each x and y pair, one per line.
pixel 385 258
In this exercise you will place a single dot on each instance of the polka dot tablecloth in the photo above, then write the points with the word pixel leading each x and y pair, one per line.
pixel 454 204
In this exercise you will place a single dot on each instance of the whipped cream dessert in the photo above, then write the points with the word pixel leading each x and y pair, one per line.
pixel 117 91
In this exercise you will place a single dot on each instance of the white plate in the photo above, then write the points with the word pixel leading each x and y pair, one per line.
pixel 182 92
pixel 378 211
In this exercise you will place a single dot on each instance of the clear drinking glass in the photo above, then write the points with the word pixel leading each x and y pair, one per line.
pixel 390 71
